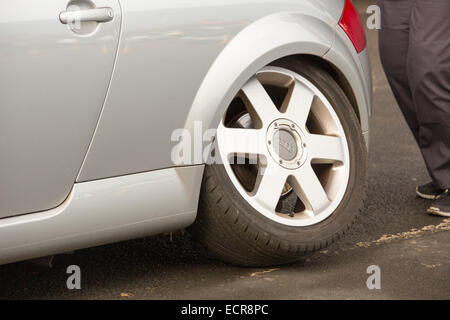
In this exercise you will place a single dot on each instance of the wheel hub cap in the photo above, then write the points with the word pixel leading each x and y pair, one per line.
pixel 286 144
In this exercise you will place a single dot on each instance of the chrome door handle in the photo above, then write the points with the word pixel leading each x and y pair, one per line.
pixel 89 15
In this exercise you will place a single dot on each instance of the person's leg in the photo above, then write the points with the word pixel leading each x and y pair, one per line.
pixel 428 70
pixel 394 43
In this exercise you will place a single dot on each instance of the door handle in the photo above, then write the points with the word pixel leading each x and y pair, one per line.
pixel 88 15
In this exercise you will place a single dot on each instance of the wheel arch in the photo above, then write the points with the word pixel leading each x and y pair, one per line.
pixel 272 38
pixel 262 42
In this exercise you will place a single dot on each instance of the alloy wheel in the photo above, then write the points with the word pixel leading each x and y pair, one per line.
pixel 284 148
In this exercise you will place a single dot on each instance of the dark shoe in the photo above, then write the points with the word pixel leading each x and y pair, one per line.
pixel 441 206
pixel 429 191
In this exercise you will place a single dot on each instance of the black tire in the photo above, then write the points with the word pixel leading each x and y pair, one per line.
pixel 235 232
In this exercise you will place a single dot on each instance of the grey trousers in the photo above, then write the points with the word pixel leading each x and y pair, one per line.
pixel 415 54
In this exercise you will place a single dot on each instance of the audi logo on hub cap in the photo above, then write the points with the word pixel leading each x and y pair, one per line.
pixel 285 142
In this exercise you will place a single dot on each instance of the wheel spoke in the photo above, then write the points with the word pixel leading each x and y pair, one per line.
pixel 299 103
pixel 240 141
pixel 325 149
pixel 260 101
pixel 307 186
pixel 269 186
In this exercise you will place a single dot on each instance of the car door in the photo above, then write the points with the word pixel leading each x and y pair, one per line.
pixel 56 62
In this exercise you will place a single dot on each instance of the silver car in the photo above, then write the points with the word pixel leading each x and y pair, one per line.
pixel 246 121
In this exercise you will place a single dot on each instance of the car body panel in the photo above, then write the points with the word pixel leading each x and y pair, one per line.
pixel 52 87
pixel 105 211
pixel 333 7
pixel 357 71
pixel 183 43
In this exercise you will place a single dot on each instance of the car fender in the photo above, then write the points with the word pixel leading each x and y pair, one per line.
pixel 264 41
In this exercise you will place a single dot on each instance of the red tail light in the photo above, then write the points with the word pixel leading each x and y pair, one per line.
pixel 353 27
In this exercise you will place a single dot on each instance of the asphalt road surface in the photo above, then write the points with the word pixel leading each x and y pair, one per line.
pixel 393 232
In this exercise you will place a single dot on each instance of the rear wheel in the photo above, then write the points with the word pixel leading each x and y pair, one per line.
pixel 292 168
